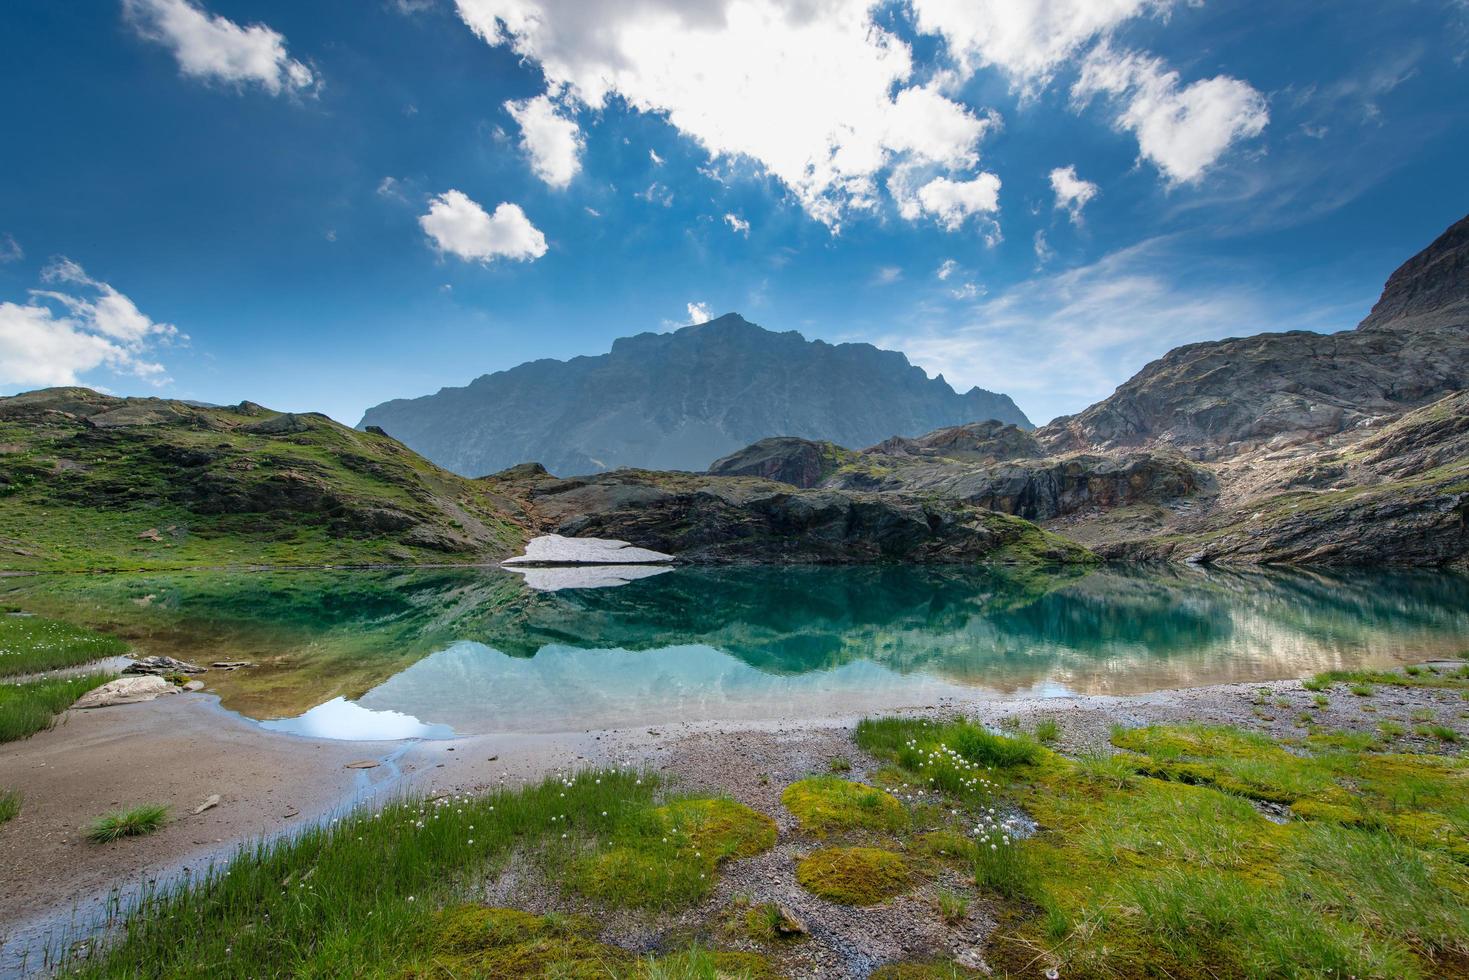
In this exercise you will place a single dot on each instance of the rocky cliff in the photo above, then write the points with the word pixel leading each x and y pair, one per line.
pixel 1220 398
pixel 680 400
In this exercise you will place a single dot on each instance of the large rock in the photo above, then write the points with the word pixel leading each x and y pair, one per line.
pixel 785 459
pixel 680 400
pixel 125 690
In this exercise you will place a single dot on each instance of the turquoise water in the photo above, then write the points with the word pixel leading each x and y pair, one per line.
pixel 369 654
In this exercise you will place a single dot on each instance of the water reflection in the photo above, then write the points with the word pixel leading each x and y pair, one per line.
pixel 481 649
pixel 341 719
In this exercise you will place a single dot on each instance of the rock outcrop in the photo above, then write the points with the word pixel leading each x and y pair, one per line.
pixel 1221 397
pixel 680 400
pixel 710 519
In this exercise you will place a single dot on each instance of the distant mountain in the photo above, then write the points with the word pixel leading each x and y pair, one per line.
pixel 679 401
pixel 1221 396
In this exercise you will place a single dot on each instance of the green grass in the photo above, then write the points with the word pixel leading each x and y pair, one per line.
pixel 137 822
pixel 1154 861
pixel 953 906
pixel 31 644
pixel 369 895
pixel 854 875
pixel 9 805
pixel 957 757
pixel 827 804
pixel 1046 731
pixel 33 706
pixel 1441 732
pixel 1407 677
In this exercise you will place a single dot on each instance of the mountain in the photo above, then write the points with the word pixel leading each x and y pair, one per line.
pixel 677 401
pixel 1348 448
pixel 1221 397
pixel 89 481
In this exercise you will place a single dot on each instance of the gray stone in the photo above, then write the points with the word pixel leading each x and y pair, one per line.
pixel 125 690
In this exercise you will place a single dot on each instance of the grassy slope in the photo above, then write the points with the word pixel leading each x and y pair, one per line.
pixel 87 477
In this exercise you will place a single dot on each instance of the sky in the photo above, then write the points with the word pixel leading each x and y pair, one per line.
pixel 324 205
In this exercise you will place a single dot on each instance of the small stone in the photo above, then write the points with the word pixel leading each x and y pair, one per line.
pixel 363 764
pixel 162 665
pixel 150 535
pixel 209 803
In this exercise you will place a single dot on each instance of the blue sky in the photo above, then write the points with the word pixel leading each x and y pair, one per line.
pixel 324 205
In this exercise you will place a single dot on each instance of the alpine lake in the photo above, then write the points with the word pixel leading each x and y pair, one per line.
pixel 431 653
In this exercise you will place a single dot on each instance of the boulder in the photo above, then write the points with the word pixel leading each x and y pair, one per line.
pixel 163 665
pixel 125 690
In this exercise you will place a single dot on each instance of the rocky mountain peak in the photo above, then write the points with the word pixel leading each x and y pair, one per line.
pixel 1430 288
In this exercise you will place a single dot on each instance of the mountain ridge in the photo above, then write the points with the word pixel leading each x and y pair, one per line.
pixel 680 400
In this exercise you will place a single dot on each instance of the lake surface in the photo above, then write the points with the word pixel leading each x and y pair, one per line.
pixel 432 653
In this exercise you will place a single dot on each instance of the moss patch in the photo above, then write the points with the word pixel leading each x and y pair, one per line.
pixel 826 804
pixel 854 875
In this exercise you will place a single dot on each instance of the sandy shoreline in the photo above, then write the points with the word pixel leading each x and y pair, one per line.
pixel 181 749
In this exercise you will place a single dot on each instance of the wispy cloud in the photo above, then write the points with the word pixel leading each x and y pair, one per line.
pixel 1059 342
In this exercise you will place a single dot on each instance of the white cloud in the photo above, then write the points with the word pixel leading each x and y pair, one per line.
pixel 656 193
pixel 552 141
pixel 1072 193
pixel 63 333
pixel 1044 253
pixel 699 313
pixel 459 226
pixel 1026 39
pixel 1059 342
pixel 968 290
pixel 816 93
pixel 947 269
pixel 657 160
pixel 209 46
pixel 952 202
pixel 10 250
pixel 1180 129
pixel 391 188
pixel 737 224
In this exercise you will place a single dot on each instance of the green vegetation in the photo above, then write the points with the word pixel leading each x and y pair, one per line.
pixel 387 892
pixel 1409 677
pixel 9 805
pixel 33 706
pixel 854 875
pixel 953 906
pixel 96 482
pixel 824 804
pixel 924 971
pixel 1046 731
pixel 31 644
pixel 137 822
pixel 473 940
pixel 1155 861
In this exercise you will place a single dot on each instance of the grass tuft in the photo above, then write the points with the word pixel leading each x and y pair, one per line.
pixel 137 822
pixel 9 805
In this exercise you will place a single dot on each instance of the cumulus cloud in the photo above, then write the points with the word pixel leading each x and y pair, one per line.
pixel 212 47
pixel 737 224
pixel 952 202
pixel 552 141
pixel 1026 39
pixel 1181 129
pixel 457 225
pixel 817 93
pixel 699 313
pixel 1072 193
pixel 78 326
